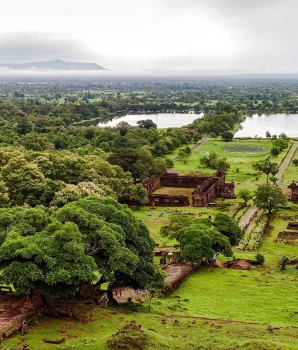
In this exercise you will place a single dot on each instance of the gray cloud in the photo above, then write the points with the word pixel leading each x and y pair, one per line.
pixel 28 47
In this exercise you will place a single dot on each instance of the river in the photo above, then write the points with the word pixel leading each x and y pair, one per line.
pixel 162 120
pixel 256 125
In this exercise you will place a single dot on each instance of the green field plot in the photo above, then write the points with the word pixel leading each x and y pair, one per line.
pixel 174 191
pixel 257 295
pixel 240 154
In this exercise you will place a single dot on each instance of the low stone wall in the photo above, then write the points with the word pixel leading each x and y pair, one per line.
pixel 177 274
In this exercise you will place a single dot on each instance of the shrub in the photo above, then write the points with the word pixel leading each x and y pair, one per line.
pixel 129 337
pixel 260 258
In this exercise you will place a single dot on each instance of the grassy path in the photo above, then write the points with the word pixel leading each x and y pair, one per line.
pixel 286 161
pixel 244 222
pixel 203 139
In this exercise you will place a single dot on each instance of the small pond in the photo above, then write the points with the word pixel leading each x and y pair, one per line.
pixel 248 149
pixel 162 120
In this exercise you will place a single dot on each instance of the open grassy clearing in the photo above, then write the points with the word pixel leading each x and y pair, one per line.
pixel 164 331
pixel 178 191
pixel 241 160
pixel 259 295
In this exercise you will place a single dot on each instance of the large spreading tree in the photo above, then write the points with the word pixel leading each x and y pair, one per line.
pixel 199 241
pixel 58 254
pixel 199 238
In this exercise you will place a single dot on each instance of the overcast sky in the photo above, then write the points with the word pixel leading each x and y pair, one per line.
pixel 196 35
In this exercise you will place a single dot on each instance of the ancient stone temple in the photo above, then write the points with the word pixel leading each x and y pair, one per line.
pixel 206 189
pixel 294 191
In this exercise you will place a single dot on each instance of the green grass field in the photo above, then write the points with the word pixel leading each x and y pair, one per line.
pixel 241 154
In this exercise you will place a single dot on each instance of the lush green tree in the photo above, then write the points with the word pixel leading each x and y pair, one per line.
pixel 269 197
pixel 295 162
pixel 275 151
pixel 280 143
pixel 146 124
pixel 199 241
pixel 266 167
pixel 123 128
pixel 176 222
pixel 59 253
pixel 52 261
pixel 212 161
pixel 228 227
pixel 245 194
pixel 139 162
pixel 33 141
pixel 227 136
pixel 169 163
pixel 22 124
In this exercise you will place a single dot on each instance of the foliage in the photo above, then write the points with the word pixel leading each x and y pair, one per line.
pixel 58 253
pixel 227 227
pixel 199 241
pixel 227 136
pixel 266 167
pixel 284 262
pixel 146 124
pixel 56 178
pixel 213 162
pixel 260 258
pixel 129 337
pixel 176 222
pixel 245 194
pixel 269 197
pixel 139 162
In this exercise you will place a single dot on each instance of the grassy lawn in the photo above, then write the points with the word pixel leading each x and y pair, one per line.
pixel 165 331
pixel 241 154
pixel 177 191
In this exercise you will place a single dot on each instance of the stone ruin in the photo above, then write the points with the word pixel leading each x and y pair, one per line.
pixel 206 189
pixel 294 192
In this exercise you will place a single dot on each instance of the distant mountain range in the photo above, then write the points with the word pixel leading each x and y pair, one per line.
pixel 55 65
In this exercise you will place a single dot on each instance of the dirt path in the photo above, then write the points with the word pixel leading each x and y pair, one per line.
pixel 203 139
pixel 285 163
pixel 244 222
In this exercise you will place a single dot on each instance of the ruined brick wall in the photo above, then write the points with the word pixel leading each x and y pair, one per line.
pixel 151 183
pixel 182 181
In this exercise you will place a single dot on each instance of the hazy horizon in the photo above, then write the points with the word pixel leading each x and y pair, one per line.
pixel 191 36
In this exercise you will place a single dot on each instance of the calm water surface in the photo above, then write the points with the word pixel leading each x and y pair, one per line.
pixel 257 125
pixel 162 120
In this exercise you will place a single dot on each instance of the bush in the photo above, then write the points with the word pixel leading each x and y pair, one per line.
pixel 260 258
pixel 129 337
